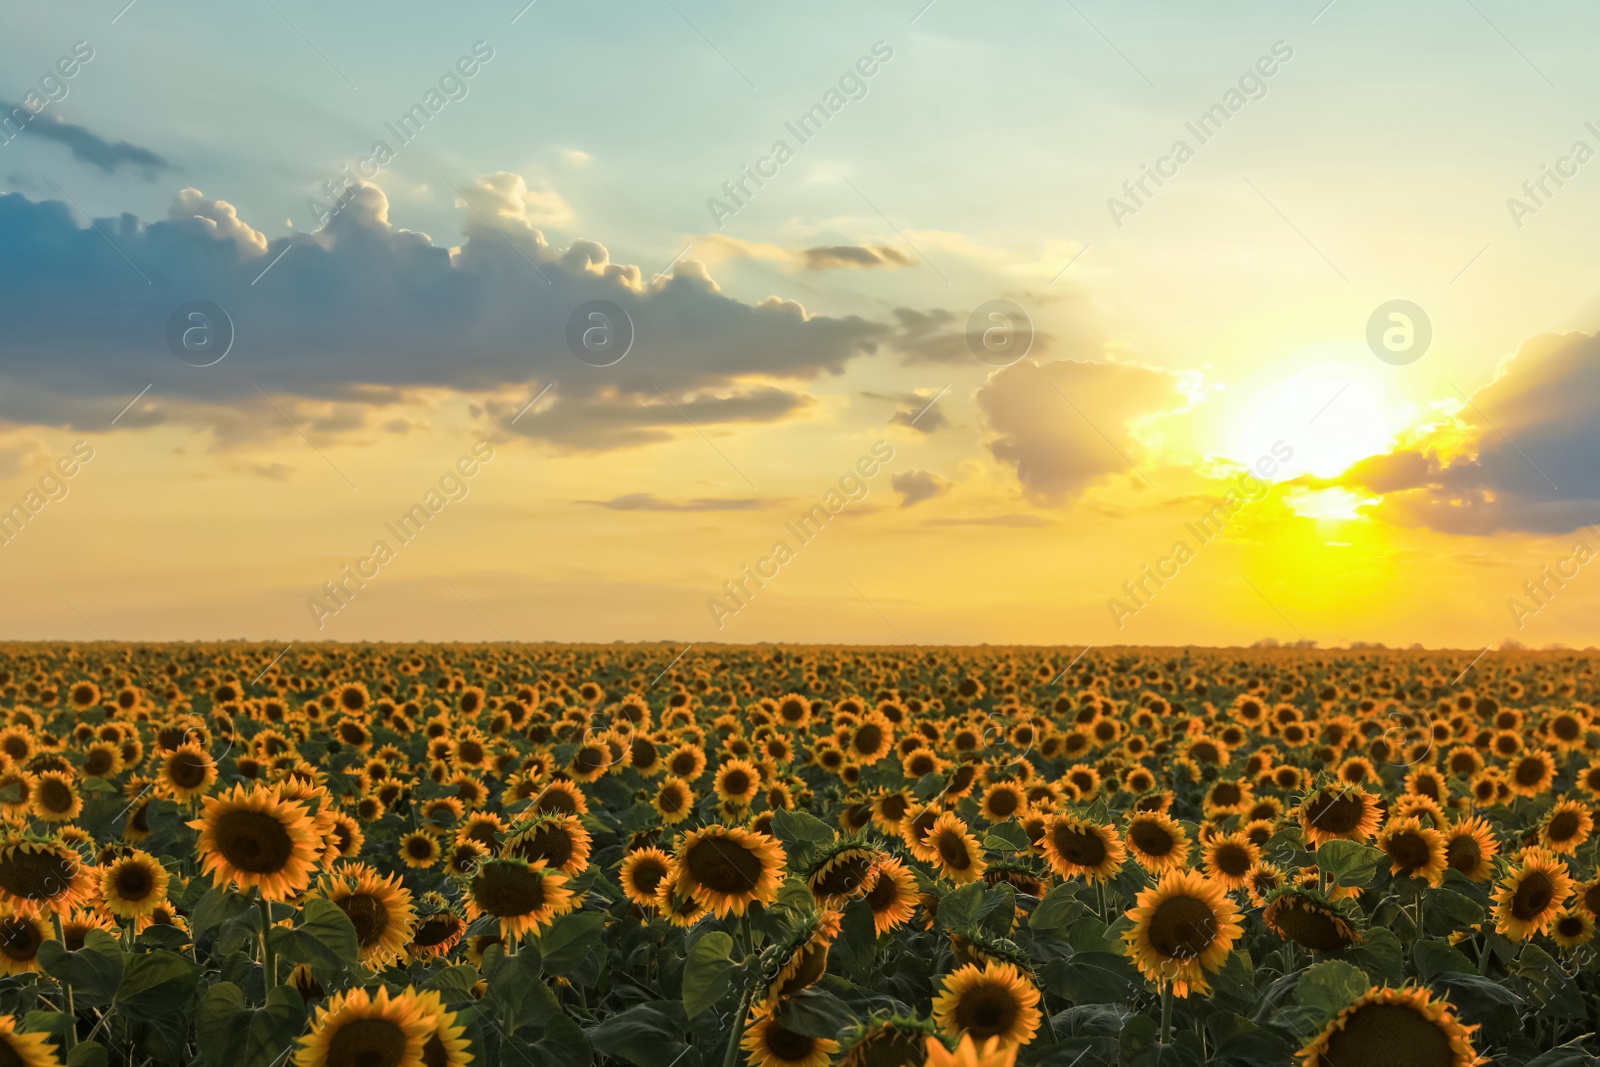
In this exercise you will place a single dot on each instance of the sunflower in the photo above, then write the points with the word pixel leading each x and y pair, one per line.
pixel 187 772
pixel 1002 801
pixel 560 841
pixel 956 852
pixel 1309 919
pixel 523 896
pixel 369 1030
pixel 256 840
pixel 1230 858
pixel 737 782
pixel 1572 928
pixel 1414 850
pixel 770 1044
pixel 24 1050
pixel 1527 901
pixel 728 868
pixel 643 872
pixel 21 935
pixel 674 800
pixel 1339 813
pixel 1382 1022
pixel 561 797
pixel 1075 846
pixel 420 849
pixel 133 884
pixel 994 1001
pixel 378 907
pixel 682 910
pixel 446 1044
pixel 892 894
pixel 55 798
pixel 805 958
pixel 1531 773
pixel 1183 927
pixel 437 932
pixel 1157 842
pixel 43 874
pixel 1566 826
pixel 1470 847
pixel 990 1053
pixel 842 870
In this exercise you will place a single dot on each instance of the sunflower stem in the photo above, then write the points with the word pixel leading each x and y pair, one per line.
pixel 66 988
pixel 1166 1013
pixel 731 1057
pixel 269 961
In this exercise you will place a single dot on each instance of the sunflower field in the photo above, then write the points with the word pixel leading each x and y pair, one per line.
pixel 791 856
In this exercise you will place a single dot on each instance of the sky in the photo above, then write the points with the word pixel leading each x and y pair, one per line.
pixel 689 321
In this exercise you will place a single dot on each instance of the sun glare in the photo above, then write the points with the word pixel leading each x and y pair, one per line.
pixel 1336 505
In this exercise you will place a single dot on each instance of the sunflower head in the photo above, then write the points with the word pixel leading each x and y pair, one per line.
pixel 1382 1021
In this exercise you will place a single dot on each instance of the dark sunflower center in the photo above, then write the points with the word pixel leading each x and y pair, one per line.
pixel 647 876
pixel 1563 827
pixel 673 800
pixel 1182 927
pixel 1232 859
pixel 367 1043
pixel 253 841
pixel 786 1045
pixel 953 850
pixel 723 865
pixel 1078 847
pixel 56 795
pixel 868 738
pixel 436 930
pixel 1003 802
pixel 133 882
pixel 1530 771
pixel 552 844
pixel 1569 926
pixel 98 763
pixel 19 939
pixel 367 915
pixel 1307 926
pixel 845 874
pixel 507 889
pixel 987 1009
pixel 1533 896
pixel 1383 1034
pixel 736 783
pixel 36 875
pixel 1408 850
pixel 1335 813
pixel 1226 794
pixel 186 771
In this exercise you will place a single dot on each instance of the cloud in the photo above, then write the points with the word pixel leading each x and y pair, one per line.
pixel 915 486
pixel 1065 425
pixel 651 502
pixel 87 146
pixel 1015 522
pixel 860 257
pixel 368 314
pixel 718 247
pixel 919 413
pixel 1522 455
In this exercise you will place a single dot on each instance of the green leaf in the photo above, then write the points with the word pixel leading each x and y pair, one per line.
pixel 217 906
pixel 230 1034
pixel 88 1054
pixel 1348 862
pixel 647 1035
pixel 565 1043
pixel 156 983
pixel 960 908
pixel 816 1013
pixel 1007 837
pixel 519 997
pixel 707 972
pixel 1433 958
pixel 1330 987
pixel 93 971
pixel 324 938
pixel 1092 978
pixel 801 835
pixel 573 947
pixel 1059 909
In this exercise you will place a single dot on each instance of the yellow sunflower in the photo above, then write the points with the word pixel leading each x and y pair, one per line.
pixel 1414 850
pixel 728 868
pixel 956 852
pixel 21 935
pixel 1183 927
pixel 770 1044
pixel 379 908
pixel 990 1053
pixel 1384 1021
pixel 1075 846
pixel 133 885
pixel 643 872
pixel 24 1050
pixel 256 840
pixel 994 1001
pixel 1527 901
pixel 367 1029
pixel 1157 842
pixel 523 896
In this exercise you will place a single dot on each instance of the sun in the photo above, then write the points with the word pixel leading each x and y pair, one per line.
pixel 1327 505
pixel 1326 404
